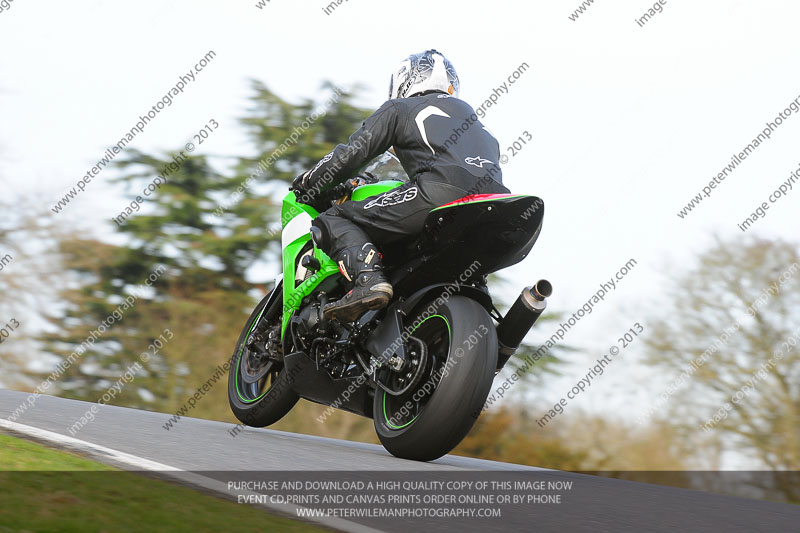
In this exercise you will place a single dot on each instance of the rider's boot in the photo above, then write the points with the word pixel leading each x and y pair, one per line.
pixel 362 267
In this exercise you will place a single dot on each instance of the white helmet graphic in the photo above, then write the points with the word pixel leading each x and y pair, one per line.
pixel 420 73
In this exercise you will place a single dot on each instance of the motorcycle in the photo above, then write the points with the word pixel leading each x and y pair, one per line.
pixel 422 367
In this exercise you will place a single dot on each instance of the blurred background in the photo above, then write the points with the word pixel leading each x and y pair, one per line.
pixel 629 123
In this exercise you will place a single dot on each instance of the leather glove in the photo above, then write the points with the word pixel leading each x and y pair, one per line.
pixel 353 183
pixel 362 179
pixel 299 184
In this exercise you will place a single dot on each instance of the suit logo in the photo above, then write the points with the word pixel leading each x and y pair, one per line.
pixel 477 161
pixel 392 198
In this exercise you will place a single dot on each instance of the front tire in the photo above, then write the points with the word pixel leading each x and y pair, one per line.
pixel 258 400
pixel 462 356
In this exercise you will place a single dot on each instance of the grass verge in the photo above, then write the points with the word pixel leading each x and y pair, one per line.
pixel 47 490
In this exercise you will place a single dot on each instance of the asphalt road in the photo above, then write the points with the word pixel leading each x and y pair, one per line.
pixel 204 454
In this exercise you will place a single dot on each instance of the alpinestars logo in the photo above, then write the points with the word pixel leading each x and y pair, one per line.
pixel 320 163
pixel 393 198
pixel 476 161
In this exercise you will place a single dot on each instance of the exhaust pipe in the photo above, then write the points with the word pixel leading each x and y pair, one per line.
pixel 520 319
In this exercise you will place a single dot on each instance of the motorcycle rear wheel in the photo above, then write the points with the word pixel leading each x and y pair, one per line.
pixel 430 420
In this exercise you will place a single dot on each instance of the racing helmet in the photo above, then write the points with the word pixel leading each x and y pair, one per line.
pixel 424 72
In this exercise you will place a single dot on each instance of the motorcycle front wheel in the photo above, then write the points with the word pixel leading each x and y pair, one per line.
pixel 259 388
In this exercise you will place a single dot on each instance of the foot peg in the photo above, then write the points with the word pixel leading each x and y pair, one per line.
pixel 311 263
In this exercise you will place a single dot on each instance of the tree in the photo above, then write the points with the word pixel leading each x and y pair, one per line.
pixel 614 446
pixel 30 275
pixel 509 434
pixel 729 340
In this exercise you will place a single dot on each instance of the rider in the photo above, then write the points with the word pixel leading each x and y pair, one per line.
pixel 446 152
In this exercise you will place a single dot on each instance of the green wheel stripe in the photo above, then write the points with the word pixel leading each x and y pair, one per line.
pixel 450 338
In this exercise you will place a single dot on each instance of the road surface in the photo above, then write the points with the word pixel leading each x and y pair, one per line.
pixel 204 454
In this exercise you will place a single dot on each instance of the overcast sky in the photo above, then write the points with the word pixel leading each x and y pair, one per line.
pixel 629 122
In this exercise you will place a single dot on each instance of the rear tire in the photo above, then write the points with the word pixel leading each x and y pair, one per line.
pixel 266 401
pixel 424 427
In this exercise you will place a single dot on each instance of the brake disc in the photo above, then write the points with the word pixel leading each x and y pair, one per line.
pixel 259 360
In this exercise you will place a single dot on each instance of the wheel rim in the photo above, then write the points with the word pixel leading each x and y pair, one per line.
pixel 400 412
pixel 255 374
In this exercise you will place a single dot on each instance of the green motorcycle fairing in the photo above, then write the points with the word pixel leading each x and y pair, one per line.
pixel 374 189
pixel 295 221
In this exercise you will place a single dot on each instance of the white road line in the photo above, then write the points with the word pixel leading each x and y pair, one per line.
pixel 95 449
pixel 122 459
